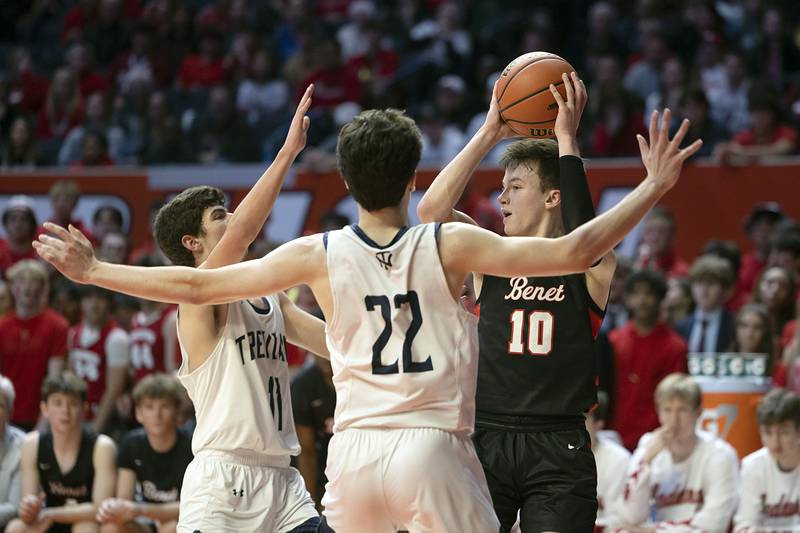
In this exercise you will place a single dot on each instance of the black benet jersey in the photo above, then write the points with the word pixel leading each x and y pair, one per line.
pixel 74 486
pixel 537 355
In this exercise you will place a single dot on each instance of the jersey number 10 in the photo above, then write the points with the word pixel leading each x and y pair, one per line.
pixel 409 365
pixel 540 332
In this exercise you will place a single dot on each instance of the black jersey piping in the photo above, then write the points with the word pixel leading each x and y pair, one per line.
pixel 369 242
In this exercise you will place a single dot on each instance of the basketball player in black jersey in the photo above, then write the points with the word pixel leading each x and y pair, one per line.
pixel 73 466
pixel 536 374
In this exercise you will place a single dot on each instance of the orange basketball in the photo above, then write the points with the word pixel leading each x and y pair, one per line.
pixel 524 97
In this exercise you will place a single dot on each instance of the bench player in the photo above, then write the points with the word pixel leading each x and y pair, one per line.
pixel 403 349
pixel 537 367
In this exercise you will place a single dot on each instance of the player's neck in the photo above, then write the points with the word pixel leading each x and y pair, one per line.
pixel 382 222
pixel 549 227
pixel 163 443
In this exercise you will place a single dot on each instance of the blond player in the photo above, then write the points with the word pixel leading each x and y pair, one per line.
pixel 770 498
pixel 403 349
pixel 689 477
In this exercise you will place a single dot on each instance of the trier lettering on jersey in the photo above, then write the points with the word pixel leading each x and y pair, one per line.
pixel 263 345
pixel 520 290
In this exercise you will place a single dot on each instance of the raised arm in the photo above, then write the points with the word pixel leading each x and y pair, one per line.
pixel 467 249
pixel 250 215
pixel 297 262
pixel 303 329
pixel 439 201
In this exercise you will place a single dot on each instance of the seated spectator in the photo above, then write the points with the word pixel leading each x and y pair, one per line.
pixel 153 336
pixel 70 500
pixel 776 289
pixel 106 219
pixel 770 498
pixel 313 404
pixel 65 300
pixel 64 197
pixel 759 227
pixel 352 36
pixel 612 459
pixel 19 223
pixel 162 139
pixel 753 334
pixel 148 250
pixel 114 248
pixel 11 439
pixel 94 150
pixel 333 83
pixel 376 66
pixel 790 346
pixel 63 109
pixel 784 251
pixel 729 251
pixel 98 118
pixel 710 328
pixel 99 354
pixel 694 106
pixel 678 303
pixel 617 122
pixel 679 474
pixel 656 249
pixel 441 141
pixel 80 59
pixel 141 62
pixel 671 91
pixel 20 148
pixel 204 69
pixel 729 100
pixel 108 33
pixel 263 95
pixel 28 88
pixel 642 77
pixel 767 135
pixel 645 350
pixel 221 133
pixel 152 458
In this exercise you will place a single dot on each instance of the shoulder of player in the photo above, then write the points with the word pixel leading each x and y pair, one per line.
pixel 613 449
pixel 55 319
pixel 133 438
pixel 717 449
pixel 756 460
pixel 104 446
pixel 30 442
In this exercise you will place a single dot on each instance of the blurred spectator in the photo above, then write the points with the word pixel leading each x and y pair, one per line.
pixel 753 334
pixel 670 93
pixel 678 303
pixel 710 63
pixel 603 35
pixel 441 141
pixel 77 18
pixel 33 340
pixel 333 83
pixel 656 248
pixel 451 101
pixel 99 354
pixel 148 250
pixel 98 118
pixel 162 140
pixel 376 67
pixel 775 56
pixel 616 313
pixel 125 308
pixel 152 459
pixel 679 474
pixel 106 219
pixel 612 459
pixel 204 69
pixel 619 119
pixel 221 134
pixel 302 58
pixel 710 328
pixel 759 226
pixel 770 475
pixel 20 148
pixel 114 248
pixel 767 136
pixel 645 350
pixel 140 63
pixel 481 209
pixel 643 76
pixel 785 251
pixel 64 196
pixel 729 251
pixel 6 299
pixel 729 100
pixel 108 33
pixel 66 300
pixel 10 454
pixel 694 106
pixel 28 90
pixel 776 288
pixel 443 42
pixel 19 223
pixel 80 59
pixel 94 150
pixel 63 110
pixel 313 404
pixel 352 36
pixel 263 95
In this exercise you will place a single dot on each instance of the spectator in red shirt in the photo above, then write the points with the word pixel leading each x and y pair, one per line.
pixel 33 340
pixel 80 58
pixel 759 226
pixel 106 219
pixel 148 249
pixel 784 251
pixel 645 351
pixel 6 299
pixel 619 120
pixel 19 222
pixel 753 334
pixel 94 150
pixel 77 18
pixel 656 250
pixel 333 83
pixel 205 69
pixel 64 196
pixel 776 289
pixel 766 137
pixel 28 90
pixel 63 108
pixel 141 62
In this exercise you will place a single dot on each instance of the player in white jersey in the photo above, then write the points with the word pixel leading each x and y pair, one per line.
pixel 689 478
pixel 770 498
pixel 403 350
pixel 612 462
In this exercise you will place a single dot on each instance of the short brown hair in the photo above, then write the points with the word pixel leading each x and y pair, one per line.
pixel 377 154
pixel 539 155
pixel 183 215
pixel 27 268
pixel 66 383
pixel 778 406
pixel 157 386
pixel 712 268
pixel 65 188
pixel 680 386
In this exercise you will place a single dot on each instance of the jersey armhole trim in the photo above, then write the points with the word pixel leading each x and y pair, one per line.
pixel 325 240
pixel 267 307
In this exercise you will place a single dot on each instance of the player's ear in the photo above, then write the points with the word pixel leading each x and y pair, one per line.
pixel 412 183
pixel 190 243
pixel 552 198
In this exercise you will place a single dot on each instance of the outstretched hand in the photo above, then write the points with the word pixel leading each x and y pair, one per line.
pixel 494 123
pixel 571 109
pixel 69 251
pixel 663 158
pixel 296 138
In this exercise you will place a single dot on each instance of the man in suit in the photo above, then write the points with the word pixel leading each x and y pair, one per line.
pixel 710 328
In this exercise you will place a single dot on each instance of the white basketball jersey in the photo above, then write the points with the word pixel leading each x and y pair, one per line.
pixel 241 392
pixel 404 353
pixel 612 462
pixel 770 496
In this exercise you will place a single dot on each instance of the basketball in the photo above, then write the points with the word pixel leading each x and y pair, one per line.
pixel 524 97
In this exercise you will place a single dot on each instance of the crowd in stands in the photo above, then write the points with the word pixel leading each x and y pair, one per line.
pixel 104 82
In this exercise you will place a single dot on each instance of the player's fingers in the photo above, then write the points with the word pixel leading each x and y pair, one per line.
pixel 690 150
pixel 45 253
pixel 557 96
pixel 580 90
pixel 643 148
pixel 680 134
pixel 56 244
pixel 306 123
pixel 653 129
pixel 57 230
pixel 568 88
pixel 663 133
pixel 80 237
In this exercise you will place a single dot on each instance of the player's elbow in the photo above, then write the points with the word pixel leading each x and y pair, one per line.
pixel 580 255
pixel 197 289
pixel 426 211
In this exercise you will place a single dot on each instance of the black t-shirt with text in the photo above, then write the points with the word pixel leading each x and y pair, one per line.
pixel 74 486
pixel 158 475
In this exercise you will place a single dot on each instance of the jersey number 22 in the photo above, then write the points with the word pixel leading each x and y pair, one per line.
pixel 383 304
